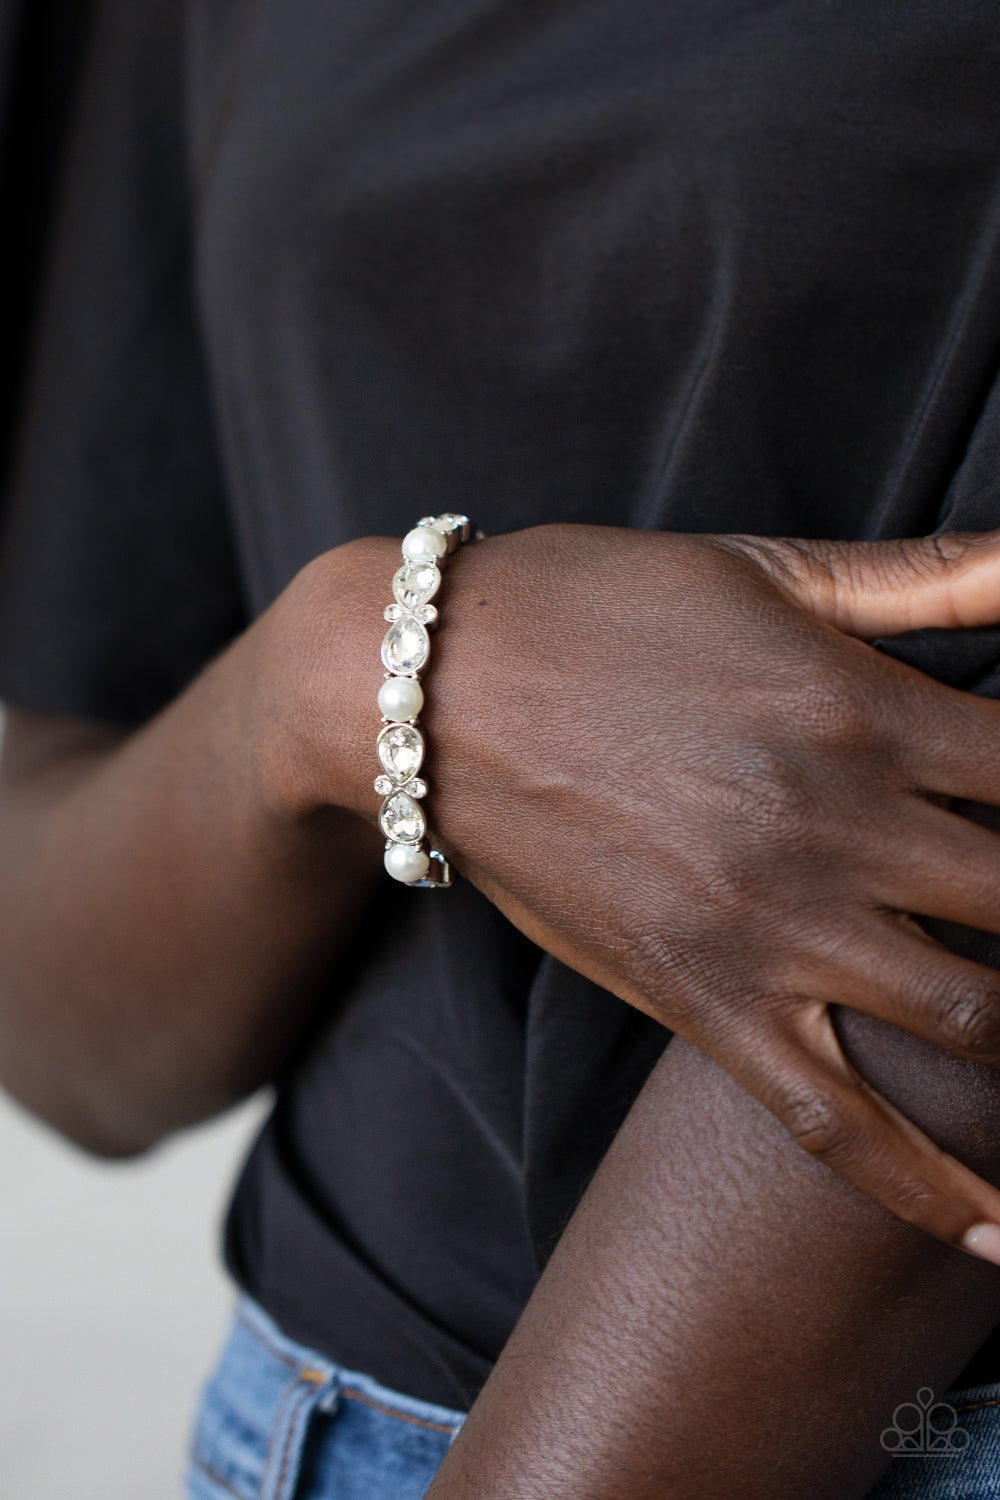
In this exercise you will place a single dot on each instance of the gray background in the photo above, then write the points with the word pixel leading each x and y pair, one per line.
pixel 112 1307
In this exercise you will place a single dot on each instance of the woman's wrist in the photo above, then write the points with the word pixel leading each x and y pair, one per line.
pixel 313 714
pixel 315 679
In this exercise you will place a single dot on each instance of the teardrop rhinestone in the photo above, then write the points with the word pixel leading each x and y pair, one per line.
pixel 416 583
pixel 400 751
pixel 406 645
pixel 402 820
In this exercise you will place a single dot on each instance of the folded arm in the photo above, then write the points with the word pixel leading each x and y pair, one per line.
pixel 766 789
pixel 165 933
pixel 725 1317
pixel 169 898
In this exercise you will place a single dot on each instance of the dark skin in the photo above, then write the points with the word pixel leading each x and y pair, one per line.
pixel 768 795
pixel 169 900
pixel 723 1316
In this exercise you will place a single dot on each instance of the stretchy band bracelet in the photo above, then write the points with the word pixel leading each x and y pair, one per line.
pixel 400 745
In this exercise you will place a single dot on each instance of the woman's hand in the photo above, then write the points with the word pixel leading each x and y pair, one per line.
pixel 672 763
pixel 668 760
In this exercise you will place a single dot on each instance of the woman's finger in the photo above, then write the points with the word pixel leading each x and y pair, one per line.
pixel 942 865
pixel 890 968
pixel 952 739
pixel 870 589
pixel 803 1077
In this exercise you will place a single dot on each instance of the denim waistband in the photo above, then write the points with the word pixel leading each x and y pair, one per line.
pixel 271 1402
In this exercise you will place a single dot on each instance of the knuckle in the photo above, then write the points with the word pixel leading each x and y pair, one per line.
pixel 968 1017
pixel 898 563
pixel 818 1122
pixel 832 714
pixel 939 551
pixel 917 1202
pixel 768 794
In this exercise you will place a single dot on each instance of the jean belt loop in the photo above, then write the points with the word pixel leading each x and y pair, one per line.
pixel 313 1388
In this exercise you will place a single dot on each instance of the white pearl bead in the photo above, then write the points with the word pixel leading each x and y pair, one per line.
pixel 400 698
pixel 424 545
pixel 406 863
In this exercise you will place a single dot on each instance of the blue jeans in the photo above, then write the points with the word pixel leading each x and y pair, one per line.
pixel 279 1422
pixel 952 1447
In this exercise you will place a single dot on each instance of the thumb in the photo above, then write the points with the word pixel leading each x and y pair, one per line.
pixel 882 588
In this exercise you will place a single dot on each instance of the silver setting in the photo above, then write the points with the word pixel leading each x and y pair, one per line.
pixel 443 881
pixel 456 528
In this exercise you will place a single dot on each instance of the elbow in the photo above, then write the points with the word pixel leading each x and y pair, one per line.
pixel 101 1113
pixel 108 1133
pixel 114 1120
pixel 118 1102
pixel 109 1140
pixel 116 1092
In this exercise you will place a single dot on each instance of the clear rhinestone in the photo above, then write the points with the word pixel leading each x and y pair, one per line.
pixel 383 785
pixel 415 583
pixel 400 751
pixel 416 788
pixel 406 645
pixel 392 612
pixel 402 820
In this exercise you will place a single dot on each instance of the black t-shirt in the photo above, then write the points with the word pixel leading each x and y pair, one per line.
pixel 317 270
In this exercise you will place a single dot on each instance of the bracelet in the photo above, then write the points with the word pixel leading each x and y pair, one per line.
pixel 401 745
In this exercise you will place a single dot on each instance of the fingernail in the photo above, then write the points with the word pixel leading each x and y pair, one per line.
pixel 983 1240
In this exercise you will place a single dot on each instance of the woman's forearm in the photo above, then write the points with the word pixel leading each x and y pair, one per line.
pixel 725 1317
pixel 166 902
pixel 161 924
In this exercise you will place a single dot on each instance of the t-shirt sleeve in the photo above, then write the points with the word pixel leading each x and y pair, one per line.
pixel 118 569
